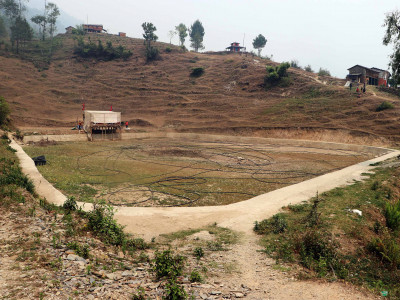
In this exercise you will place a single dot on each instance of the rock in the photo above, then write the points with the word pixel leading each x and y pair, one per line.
pixel 75 257
pixel 203 296
pixel 127 273
pixel 215 293
pixel 206 286
pixel 239 295
pixel 114 276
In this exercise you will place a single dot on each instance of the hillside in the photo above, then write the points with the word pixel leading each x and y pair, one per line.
pixel 228 98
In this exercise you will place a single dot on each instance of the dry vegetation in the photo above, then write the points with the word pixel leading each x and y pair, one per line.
pixel 176 172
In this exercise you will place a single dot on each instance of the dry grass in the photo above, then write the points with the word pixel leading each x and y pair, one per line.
pixel 171 172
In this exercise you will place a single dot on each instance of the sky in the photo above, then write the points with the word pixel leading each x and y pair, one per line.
pixel 332 34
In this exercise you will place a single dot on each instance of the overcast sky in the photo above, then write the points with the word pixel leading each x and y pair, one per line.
pixel 333 34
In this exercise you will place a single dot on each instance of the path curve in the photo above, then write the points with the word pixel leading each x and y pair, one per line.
pixel 149 222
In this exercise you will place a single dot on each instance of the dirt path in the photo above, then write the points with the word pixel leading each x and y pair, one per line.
pixel 266 280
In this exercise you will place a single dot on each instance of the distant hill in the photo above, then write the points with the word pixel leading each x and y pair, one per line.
pixel 228 98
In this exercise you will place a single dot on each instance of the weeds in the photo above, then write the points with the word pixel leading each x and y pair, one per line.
pixel 81 250
pixel 198 252
pixel 168 265
pixel 70 204
pixel 195 276
pixel 174 291
pixel 277 224
pixel 392 215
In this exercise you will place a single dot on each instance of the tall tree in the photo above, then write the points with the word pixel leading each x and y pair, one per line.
pixel 182 33
pixel 259 43
pixel 52 14
pixel 3 29
pixel 11 8
pixel 171 35
pixel 41 21
pixel 392 36
pixel 21 31
pixel 148 34
pixel 196 33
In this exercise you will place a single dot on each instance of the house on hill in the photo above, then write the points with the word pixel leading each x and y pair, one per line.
pixel 371 76
pixel 234 47
pixel 93 28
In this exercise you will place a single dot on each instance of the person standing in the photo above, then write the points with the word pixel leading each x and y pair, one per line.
pixel 351 85
pixel 126 124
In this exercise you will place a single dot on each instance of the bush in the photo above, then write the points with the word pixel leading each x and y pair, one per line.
pixel 392 215
pixel 168 265
pixel 174 291
pixel 295 64
pixel 197 72
pixel 195 276
pixel 323 72
pixel 151 53
pixel 198 252
pixel 81 250
pixel 277 75
pixel 277 224
pixel 385 105
pixel 308 69
pixel 4 111
pixel 388 250
pixel 90 50
pixel 101 221
pixel 70 204
pixel 168 49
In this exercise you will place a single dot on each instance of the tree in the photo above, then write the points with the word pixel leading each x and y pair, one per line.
pixel 41 21
pixel 308 69
pixel 21 31
pixel 148 34
pixel 324 72
pixel 11 8
pixel 3 30
pixel 182 33
pixel 196 33
pixel 259 43
pixel 4 110
pixel 52 14
pixel 392 36
pixel 171 34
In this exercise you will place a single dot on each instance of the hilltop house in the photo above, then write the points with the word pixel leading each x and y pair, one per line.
pixel 371 76
pixel 234 47
pixel 92 28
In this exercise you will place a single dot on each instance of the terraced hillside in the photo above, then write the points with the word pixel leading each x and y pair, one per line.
pixel 228 98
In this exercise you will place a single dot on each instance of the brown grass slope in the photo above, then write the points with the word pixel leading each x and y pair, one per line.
pixel 229 97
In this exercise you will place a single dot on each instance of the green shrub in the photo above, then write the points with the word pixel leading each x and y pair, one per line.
pixel 308 69
pixel 91 50
pixel 168 265
pixel 81 250
pixel 324 72
pixel 277 224
pixel 197 72
pixel 195 276
pixel 392 215
pixel 152 53
pixel 174 291
pixel 10 173
pixel 385 105
pixel 388 250
pixel 4 111
pixel 70 204
pixel 168 49
pixel 101 221
pixel 198 252
pixel 277 75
